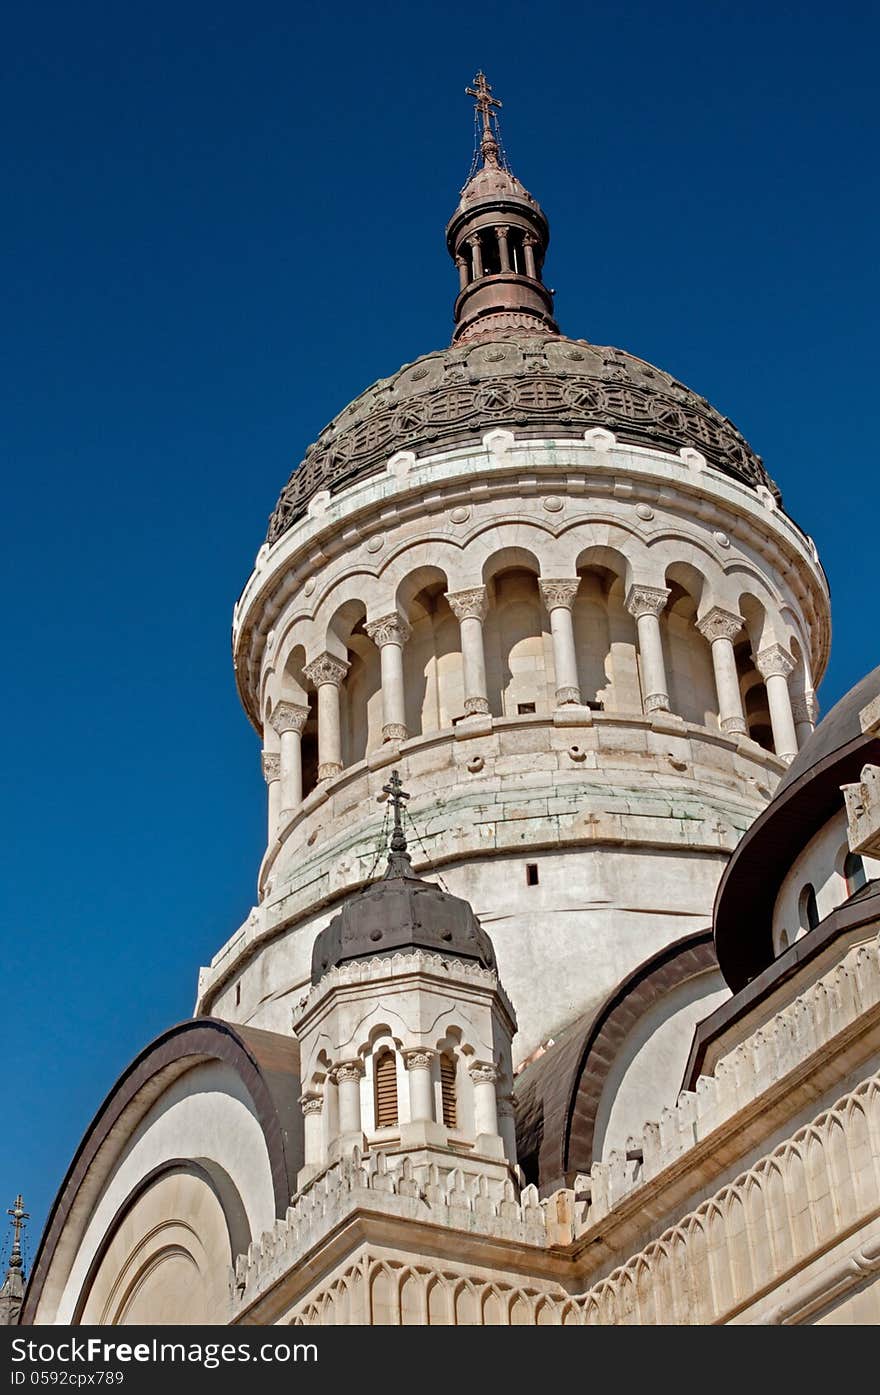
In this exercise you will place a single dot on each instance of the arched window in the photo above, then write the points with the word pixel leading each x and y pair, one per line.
pixel 854 873
pixel 447 1089
pixel 809 911
pixel 782 942
pixel 386 1089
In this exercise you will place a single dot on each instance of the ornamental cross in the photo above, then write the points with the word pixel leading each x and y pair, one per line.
pixel 19 1216
pixel 398 860
pixel 483 100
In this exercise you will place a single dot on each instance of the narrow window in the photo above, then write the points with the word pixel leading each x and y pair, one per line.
pixel 595 706
pixel 808 908
pixel 524 708
pixel 854 873
pixel 386 1090
pixel 447 1089
pixel 237 994
pixel 531 874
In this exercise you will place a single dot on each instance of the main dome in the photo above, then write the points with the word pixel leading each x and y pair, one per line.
pixel 537 385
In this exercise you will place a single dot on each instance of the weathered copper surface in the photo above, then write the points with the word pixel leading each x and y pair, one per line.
pixel 536 385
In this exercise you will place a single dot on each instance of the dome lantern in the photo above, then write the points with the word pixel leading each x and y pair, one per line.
pixel 498 239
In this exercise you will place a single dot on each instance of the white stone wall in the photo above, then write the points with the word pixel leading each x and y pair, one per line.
pixel 820 865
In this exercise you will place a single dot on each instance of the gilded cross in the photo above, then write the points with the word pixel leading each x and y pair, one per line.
pixel 483 100
pixel 397 797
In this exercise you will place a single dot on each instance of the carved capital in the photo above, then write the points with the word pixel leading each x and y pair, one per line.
pixel 734 726
pixel 419 1058
pixel 483 1074
pixel 502 232
pixel 558 593
pixel 271 762
pixel 473 240
pixel 656 702
pixel 311 1104
pixel 646 600
pixel 391 629
pixel 469 605
pixel 774 662
pixel 289 716
pixel 326 669
pixel 347 1071
pixel 329 769
pixel 568 695
pixel 529 240
pixel 394 731
pixel 802 709
pixel 720 624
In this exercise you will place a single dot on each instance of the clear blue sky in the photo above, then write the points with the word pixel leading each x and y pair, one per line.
pixel 222 222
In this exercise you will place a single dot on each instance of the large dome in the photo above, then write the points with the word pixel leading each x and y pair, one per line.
pixel 534 384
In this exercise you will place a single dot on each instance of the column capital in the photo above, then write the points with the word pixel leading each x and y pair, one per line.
pixel 720 624
pixel 502 231
pixel 558 593
pixel 271 763
pixel 390 629
pixel 288 716
pixel 473 239
pixel 529 240
pixel 311 1103
pixel 326 668
pixel 803 708
pixel 347 1071
pixel 774 662
pixel 646 600
pixel 418 1058
pixel 469 605
pixel 483 1074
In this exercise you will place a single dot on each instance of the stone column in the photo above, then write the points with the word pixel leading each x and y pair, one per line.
pixel 390 635
pixel 348 1083
pixel 720 628
pixel 463 271
pixel 646 604
pixel 272 776
pixel 470 609
pixel 558 596
pixel 530 242
pixel 476 256
pixel 288 719
pixel 507 1127
pixel 803 710
pixel 421 1087
pixel 503 248
pixel 485 1101
pixel 312 1106
pixel 774 665
pixel 327 673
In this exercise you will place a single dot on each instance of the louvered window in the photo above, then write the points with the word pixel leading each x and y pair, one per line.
pixel 386 1090
pixel 447 1089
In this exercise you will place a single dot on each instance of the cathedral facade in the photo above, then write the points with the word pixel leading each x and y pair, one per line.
pixel 560 1003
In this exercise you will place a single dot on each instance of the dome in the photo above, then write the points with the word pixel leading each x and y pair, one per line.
pixel 535 384
pixel 805 799
pixel 840 726
pixel 397 913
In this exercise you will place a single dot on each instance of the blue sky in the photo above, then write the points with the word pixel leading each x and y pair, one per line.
pixel 221 223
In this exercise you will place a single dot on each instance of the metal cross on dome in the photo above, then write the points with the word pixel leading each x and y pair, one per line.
pixel 483 100
pixel 398 857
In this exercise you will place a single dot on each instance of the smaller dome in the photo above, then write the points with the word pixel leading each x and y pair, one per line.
pixel 399 913
pixel 494 182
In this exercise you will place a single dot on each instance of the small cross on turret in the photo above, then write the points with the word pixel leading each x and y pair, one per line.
pixel 399 864
pixel 19 1217
pixel 487 106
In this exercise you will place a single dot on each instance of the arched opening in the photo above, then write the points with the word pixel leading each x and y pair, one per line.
pixel 854 873
pixel 448 1078
pixel 385 1085
pixel 360 697
pixel 756 706
pixel 808 909
pixel 689 673
pixel 294 688
pixel 605 633
pixel 432 664
pixel 519 658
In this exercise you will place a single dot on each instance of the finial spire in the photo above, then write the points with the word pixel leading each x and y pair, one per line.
pixel 19 1216
pixel 399 864
pixel 486 106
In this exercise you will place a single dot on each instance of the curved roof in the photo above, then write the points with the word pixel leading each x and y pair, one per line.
pixel 266 1062
pixel 556 1098
pixel 533 383
pixel 398 912
pixel 807 797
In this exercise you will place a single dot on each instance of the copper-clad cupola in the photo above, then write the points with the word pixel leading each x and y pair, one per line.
pixel 498 238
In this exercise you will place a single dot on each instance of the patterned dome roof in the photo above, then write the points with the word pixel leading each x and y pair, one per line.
pixel 534 384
